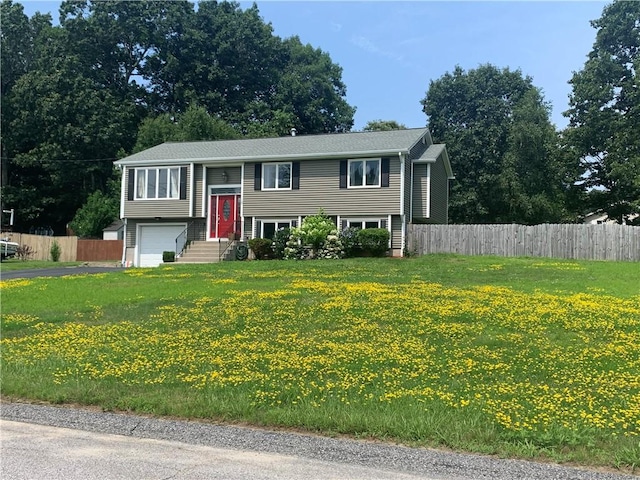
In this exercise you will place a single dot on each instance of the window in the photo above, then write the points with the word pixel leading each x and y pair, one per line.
pixel 269 228
pixel 364 173
pixel 276 176
pixel 360 224
pixel 157 183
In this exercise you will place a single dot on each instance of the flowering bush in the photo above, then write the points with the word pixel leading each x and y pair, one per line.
pixel 317 237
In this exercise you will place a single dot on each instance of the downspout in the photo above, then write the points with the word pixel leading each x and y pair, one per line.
pixel 402 215
pixel 122 217
pixel 192 189
pixel 123 262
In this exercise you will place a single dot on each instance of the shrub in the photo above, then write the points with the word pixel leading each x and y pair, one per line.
pixel 25 252
pixel 315 229
pixel 280 242
pixel 55 251
pixel 168 256
pixel 349 240
pixel 261 248
pixel 374 241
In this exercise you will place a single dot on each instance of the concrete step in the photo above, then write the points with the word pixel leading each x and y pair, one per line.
pixel 203 252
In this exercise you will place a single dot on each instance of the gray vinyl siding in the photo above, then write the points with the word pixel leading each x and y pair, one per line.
pixel 198 188
pixel 214 176
pixel 420 186
pixel 320 189
pixel 165 208
pixel 439 193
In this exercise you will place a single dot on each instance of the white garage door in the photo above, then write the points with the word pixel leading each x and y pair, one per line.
pixel 155 239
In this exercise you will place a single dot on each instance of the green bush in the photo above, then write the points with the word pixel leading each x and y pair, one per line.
pixel 280 240
pixel 349 240
pixel 315 229
pixel 374 241
pixel 55 251
pixel 168 256
pixel 261 248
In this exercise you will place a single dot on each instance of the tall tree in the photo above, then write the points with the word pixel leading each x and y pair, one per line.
pixel 604 118
pixel 496 127
pixel 383 125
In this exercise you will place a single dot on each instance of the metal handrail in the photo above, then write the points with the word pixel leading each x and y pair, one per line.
pixel 194 229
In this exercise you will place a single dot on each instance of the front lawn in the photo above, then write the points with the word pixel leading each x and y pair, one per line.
pixel 531 358
pixel 12 264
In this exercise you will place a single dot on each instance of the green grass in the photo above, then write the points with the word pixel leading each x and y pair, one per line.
pixel 516 357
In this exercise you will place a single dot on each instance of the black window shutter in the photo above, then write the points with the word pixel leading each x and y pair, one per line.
pixel 131 183
pixel 384 167
pixel 383 223
pixel 295 176
pixel 258 229
pixel 343 174
pixel 294 223
pixel 257 179
pixel 344 224
pixel 183 183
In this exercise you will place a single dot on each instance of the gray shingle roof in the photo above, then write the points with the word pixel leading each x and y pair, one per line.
pixel 358 144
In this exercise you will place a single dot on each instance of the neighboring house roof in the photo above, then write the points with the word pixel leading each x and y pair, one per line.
pixel 356 144
pixel 114 227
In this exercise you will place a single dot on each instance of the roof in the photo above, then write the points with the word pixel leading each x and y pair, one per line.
pixel 114 227
pixel 355 144
pixel 431 155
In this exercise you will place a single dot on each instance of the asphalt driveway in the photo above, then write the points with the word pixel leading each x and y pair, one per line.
pixel 55 272
pixel 41 441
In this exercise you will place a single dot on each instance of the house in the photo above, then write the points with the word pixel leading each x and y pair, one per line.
pixel 215 191
pixel 599 218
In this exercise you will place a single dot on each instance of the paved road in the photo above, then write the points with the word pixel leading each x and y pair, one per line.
pixel 54 272
pixel 46 442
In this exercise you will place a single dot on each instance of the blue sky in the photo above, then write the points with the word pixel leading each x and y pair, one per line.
pixel 390 50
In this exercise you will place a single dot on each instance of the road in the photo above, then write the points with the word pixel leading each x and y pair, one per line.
pixel 47 442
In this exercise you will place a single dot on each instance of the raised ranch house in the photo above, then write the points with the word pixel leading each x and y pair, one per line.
pixel 210 193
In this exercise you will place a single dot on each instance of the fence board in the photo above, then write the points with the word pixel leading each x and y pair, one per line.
pixel 571 241
pixel 41 245
pixel 99 250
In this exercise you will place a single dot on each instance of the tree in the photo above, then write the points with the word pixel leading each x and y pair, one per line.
pixel 496 127
pixel 383 125
pixel 195 124
pixel 98 212
pixel 604 118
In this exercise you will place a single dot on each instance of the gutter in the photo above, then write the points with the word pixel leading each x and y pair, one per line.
pixel 266 158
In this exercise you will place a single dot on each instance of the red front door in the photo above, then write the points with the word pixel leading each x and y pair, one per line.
pixel 224 215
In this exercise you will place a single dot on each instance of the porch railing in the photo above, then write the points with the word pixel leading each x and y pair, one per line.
pixel 194 231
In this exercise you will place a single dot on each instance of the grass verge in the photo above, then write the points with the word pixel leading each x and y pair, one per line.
pixel 520 357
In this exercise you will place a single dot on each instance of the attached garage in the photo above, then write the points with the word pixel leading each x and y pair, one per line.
pixel 155 239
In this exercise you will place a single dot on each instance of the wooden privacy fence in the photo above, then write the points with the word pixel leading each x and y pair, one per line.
pixel 41 245
pixel 575 241
pixel 72 249
pixel 99 250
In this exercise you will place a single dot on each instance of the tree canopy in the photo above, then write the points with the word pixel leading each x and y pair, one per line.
pixel 383 125
pixel 75 95
pixel 604 114
pixel 503 146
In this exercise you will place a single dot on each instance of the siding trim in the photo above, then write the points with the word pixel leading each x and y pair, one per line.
pixel 192 184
